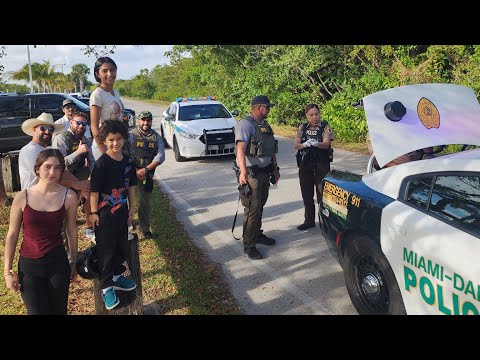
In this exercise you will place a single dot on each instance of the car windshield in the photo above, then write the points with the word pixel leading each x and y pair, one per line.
pixel 207 111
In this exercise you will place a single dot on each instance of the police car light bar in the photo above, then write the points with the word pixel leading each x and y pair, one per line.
pixel 180 99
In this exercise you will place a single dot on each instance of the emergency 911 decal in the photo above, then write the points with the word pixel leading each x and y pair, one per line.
pixel 336 199
pixel 448 293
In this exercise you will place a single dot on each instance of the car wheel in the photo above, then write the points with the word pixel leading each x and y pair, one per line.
pixel 176 150
pixel 370 280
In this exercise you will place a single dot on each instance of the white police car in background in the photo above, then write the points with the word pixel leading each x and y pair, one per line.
pixel 408 236
pixel 198 127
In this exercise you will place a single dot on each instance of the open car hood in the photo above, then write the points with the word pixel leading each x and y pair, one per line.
pixel 434 114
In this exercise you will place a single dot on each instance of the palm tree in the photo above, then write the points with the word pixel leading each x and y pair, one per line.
pixel 44 75
pixel 79 75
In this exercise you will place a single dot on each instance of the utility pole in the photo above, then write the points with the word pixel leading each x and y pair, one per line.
pixel 30 69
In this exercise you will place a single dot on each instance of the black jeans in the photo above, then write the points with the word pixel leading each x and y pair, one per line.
pixel 311 175
pixel 44 282
pixel 112 244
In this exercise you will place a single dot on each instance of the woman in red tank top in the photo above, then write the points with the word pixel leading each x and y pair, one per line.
pixel 44 272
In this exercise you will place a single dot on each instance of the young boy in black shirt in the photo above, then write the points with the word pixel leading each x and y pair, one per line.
pixel 112 182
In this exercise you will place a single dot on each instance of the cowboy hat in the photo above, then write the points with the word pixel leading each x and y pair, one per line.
pixel 42 119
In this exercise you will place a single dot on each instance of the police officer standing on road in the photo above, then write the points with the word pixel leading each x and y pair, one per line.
pixel 255 155
pixel 148 152
pixel 312 144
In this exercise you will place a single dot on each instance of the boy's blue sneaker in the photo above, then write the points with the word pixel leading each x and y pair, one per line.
pixel 124 284
pixel 110 299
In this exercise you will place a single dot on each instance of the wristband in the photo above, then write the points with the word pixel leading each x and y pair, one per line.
pixel 94 212
pixel 146 169
pixel 9 272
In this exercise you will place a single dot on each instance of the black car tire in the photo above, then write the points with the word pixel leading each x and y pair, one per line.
pixel 380 295
pixel 176 150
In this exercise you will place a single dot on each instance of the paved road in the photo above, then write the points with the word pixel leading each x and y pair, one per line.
pixel 298 275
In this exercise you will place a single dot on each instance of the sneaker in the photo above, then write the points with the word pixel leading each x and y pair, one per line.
pixel 305 226
pixel 110 299
pixel 130 236
pixel 124 284
pixel 264 240
pixel 89 233
pixel 253 253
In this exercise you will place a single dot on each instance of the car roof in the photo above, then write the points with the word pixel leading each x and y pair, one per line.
pixel 436 114
pixel 388 181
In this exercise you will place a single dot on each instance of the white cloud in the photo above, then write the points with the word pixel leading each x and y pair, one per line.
pixel 129 59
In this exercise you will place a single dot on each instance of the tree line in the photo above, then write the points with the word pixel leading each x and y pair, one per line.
pixel 333 76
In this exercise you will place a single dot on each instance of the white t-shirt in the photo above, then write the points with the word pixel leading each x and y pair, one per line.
pixel 112 106
pixel 66 125
pixel 112 109
pixel 26 162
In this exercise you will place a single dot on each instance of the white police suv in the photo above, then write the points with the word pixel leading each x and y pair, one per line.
pixel 199 127
pixel 408 236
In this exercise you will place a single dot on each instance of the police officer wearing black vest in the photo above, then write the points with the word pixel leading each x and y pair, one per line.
pixel 255 156
pixel 313 159
pixel 148 152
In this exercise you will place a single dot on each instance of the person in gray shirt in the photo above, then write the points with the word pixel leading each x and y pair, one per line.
pixel 255 148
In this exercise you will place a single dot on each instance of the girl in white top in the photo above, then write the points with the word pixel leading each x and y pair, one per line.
pixel 105 103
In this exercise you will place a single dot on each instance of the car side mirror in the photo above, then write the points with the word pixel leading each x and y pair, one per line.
pixel 235 112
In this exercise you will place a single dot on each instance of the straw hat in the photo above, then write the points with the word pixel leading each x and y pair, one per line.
pixel 43 119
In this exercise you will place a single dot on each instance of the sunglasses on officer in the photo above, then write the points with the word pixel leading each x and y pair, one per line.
pixel 83 123
pixel 44 128
pixel 70 106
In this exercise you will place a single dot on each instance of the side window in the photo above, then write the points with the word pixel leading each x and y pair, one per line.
pixel 50 104
pixel 418 190
pixel 7 107
pixel 15 108
pixel 457 199
pixel 173 110
pixel 22 107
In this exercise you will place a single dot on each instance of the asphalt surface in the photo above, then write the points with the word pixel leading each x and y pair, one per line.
pixel 298 275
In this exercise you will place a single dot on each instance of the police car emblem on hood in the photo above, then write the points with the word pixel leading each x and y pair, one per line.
pixel 428 113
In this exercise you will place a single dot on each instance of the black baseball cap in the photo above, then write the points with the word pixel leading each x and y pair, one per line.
pixel 262 100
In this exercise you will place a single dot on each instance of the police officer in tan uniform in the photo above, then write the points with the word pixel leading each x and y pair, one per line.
pixel 255 148
pixel 148 152
pixel 313 146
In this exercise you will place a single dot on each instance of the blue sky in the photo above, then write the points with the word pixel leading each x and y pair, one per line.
pixel 129 59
